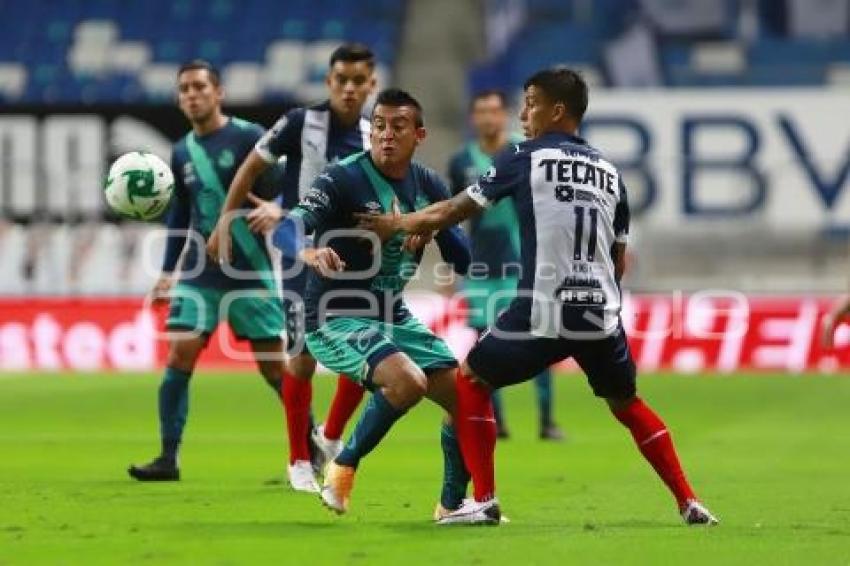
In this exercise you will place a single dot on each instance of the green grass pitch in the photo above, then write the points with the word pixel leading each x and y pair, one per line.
pixel 769 454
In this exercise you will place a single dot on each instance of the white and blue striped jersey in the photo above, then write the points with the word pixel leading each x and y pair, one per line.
pixel 310 139
pixel 572 209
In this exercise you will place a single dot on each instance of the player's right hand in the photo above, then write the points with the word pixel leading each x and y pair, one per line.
pixel 218 244
pixel 161 291
pixel 324 260
pixel 265 215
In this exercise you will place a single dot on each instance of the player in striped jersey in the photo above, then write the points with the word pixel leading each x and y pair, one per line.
pixel 574 223
pixel 494 261
pixel 309 139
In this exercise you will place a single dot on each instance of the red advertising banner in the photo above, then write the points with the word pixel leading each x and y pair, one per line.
pixel 717 332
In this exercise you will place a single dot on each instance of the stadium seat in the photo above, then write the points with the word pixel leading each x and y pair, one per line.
pixel 13 81
pixel 129 57
pixel 159 80
pixel 286 65
pixel 243 82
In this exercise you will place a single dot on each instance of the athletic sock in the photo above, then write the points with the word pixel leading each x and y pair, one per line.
pixel 375 422
pixel 173 410
pixel 476 433
pixel 297 397
pixel 656 445
pixel 543 386
pixel 498 409
pixel 455 475
pixel 347 398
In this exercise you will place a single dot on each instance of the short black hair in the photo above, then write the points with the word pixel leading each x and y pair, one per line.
pixel 353 53
pixel 395 97
pixel 500 94
pixel 195 64
pixel 561 84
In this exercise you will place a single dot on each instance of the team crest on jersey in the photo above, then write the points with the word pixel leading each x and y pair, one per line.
pixel 226 159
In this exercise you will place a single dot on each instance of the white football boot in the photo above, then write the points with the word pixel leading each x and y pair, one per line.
pixel 302 477
pixel 471 512
pixel 328 449
pixel 695 513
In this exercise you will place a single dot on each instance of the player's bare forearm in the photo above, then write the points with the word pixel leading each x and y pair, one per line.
pixel 245 177
pixel 434 217
pixel 619 257
pixel 439 215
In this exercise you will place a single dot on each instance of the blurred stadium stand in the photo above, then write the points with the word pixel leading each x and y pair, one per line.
pixel 108 51
pixel 102 57
pixel 694 43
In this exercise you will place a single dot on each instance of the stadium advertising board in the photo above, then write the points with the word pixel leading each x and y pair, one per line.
pixel 780 158
pixel 677 332
pixel 776 157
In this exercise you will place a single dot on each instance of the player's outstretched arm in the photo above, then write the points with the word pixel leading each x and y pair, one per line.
pixel 433 217
pixel 218 245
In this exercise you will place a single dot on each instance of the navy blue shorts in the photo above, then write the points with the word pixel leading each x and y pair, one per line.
pixel 502 360
pixel 293 309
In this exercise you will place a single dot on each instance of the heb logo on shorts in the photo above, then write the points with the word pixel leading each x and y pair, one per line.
pixel 581 297
pixel 581 292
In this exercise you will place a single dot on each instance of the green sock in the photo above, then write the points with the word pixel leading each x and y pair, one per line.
pixel 543 385
pixel 455 475
pixel 377 418
pixel 173 410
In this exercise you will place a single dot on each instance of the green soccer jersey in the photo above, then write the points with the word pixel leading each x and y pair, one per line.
pixel 204 167
pixel 356 185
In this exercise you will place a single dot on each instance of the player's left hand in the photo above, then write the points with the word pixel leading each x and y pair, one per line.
pixel 265 216
pixel 384 225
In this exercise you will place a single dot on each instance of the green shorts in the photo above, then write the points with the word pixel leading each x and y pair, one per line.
pixel 250 313
pixel 355 346
pixel 486 298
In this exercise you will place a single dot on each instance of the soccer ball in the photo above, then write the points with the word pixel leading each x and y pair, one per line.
pixel 139 186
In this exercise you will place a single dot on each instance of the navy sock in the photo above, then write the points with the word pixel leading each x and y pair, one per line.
pixel 455 475
pixel 173 410
pixel 498 408
pixel 377 418
pixel 543 384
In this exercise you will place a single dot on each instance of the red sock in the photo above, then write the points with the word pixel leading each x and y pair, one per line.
pixel 476 433
pixel 297 396
pixel 348 395
pixel 656 445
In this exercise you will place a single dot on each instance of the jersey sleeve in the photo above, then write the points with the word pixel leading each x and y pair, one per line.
pixel 622 216
pixel 320 204
pixel 502 179
pixel 457 175
pixel 434 187
pixel 176 220
pixel 284 138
